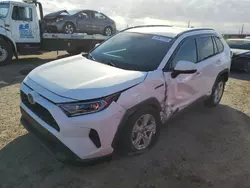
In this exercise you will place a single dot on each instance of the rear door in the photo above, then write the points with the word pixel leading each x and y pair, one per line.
pixel 99 22
pixel 209 62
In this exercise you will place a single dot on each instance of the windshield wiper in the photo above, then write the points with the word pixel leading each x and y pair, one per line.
pixel 111 64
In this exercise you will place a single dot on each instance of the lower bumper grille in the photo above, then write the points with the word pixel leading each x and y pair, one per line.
pixel 61 151
pixel 40 111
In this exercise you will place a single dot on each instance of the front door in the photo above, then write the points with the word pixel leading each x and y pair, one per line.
pixel 84 22
pixel 24 25
pixel 185 88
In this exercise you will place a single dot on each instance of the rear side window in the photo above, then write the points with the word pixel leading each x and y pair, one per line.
pixel 219 45
pixel 186 52
pixel 205 47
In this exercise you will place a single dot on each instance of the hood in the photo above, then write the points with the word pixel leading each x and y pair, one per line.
pixel 79 78
pixel 53 15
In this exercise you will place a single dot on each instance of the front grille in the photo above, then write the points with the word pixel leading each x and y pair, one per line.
pixel 40 111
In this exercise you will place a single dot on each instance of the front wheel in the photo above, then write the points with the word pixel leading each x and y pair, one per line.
pixel 69 28
pixel 141 131
pixel 217 94
pixel 6 52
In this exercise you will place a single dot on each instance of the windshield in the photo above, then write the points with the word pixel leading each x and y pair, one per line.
pixel 72 12
pixel 133 51
pixel 4 9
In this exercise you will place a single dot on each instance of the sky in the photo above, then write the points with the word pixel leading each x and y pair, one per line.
pixel 226 16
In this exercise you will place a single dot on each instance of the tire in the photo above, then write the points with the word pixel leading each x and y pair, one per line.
pixel 247 67
pixel 217 93
pixel 128 140
pixel 6 52
pixel 69 28
pixel 108 31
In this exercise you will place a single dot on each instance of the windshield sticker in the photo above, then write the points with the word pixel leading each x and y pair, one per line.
pixel 163 39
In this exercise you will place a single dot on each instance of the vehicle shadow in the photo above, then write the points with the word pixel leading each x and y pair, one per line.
pixel 201 148
pixel 240 75
pixel 18 69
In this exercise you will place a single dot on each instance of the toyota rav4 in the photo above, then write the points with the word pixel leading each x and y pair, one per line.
pixel 120 94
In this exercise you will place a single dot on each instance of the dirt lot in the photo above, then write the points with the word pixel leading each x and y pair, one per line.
pixel 202 148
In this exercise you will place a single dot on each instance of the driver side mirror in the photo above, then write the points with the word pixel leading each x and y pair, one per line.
pixel 184 67
pixel 97 45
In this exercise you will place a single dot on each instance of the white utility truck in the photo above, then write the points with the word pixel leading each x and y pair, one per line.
pixel 21 33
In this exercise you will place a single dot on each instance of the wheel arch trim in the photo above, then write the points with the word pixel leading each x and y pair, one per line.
pixel 153 102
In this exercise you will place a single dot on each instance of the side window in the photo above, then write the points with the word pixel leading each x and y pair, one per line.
pixel 216 50
pixel 22 13
pixel 186 52
pixel 99 16
pixel 83 15
pixel 205 47
pixel 219 44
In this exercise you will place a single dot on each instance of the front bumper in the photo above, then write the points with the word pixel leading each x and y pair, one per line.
pixel 77 137
pixel 54 27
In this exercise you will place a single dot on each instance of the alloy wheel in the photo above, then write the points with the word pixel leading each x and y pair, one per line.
pixel 143 131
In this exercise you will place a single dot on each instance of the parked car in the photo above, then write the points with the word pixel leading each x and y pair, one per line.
pixel 120 94
pixel 241 54
pixel 79 21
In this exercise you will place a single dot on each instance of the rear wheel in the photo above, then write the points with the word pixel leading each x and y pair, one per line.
pixel 69 28
pixel 108 31
pixel 6 52
pixel 217 93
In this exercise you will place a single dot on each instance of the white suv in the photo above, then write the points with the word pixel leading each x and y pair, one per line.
pixel 124 90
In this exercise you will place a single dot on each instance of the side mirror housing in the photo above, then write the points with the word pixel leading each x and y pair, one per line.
pixel 97 45
pixel 184 67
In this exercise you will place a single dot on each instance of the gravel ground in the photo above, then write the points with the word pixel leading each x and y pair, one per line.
pixel 201 148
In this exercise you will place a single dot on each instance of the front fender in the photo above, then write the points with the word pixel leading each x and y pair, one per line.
pixel 5 33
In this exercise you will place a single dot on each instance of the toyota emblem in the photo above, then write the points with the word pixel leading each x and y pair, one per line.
pixel 31 99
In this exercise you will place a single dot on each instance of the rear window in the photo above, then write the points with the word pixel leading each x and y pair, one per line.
pixel 133 51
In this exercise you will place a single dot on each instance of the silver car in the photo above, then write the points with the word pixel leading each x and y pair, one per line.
pixel 79 21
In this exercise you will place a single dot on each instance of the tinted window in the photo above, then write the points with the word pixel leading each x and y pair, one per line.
pixel 219 45
pixel 205 47
pixel 22 13
pixel 133 51
pixel 186 52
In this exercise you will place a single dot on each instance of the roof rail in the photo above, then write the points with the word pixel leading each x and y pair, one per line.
pixel 139 26
pixel 191 30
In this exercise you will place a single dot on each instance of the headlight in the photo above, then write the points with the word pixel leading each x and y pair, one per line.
pixel 59 19
pixel 81 108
